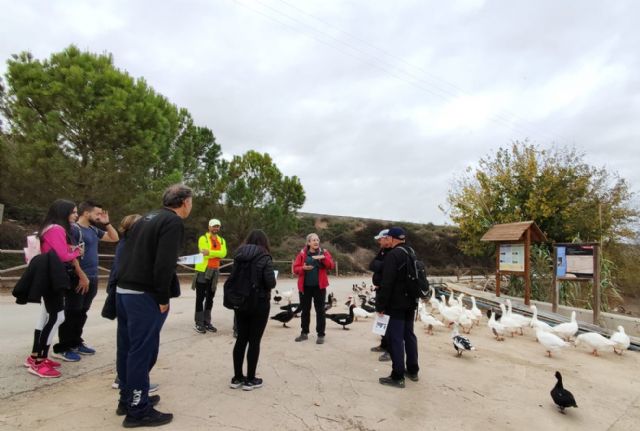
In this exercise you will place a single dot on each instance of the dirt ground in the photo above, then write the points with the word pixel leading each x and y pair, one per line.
pixel 501 386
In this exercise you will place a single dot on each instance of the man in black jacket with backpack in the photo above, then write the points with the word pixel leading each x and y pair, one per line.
pixel 393 300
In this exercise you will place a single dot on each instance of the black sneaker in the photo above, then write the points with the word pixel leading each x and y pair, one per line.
pixel 377 349
pixel 236 382
pixel 122 407
pixel 252 384
pixel 199 329
pixel 302 337
pixel 385 357
pixel 320 340
pixel 209 327
pixel 389 381
pixel 152 419
pixel 412 377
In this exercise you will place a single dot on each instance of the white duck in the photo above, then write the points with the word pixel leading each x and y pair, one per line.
pixel 621 340
pixel 433 300
pixel 594 341
pixel 449 314
pixel 509 323
pixel 524 321
pixel 535 323
pixel 496 327
pixel 568 329
pixel 287 294
pixel 465 321
pixel 550 341
pixel 477 314
pixel 429 321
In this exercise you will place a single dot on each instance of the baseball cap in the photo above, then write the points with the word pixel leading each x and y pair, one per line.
pixel 382 234
pixel 214 222
pixel 397 232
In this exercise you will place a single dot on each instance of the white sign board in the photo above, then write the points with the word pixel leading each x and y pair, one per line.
pixel 512 257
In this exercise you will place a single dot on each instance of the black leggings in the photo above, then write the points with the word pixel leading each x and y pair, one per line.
pixel 51 316
pixel 250 329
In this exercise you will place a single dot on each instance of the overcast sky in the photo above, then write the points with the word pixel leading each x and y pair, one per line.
pixel 376 105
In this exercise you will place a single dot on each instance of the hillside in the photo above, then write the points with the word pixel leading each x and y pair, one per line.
pixel 349 239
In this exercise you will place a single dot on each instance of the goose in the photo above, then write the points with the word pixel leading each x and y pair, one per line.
pixel 433 300
pixel 460 343
pixel 621 340
pixel 429 321
pixel 594 341
pixel 550 341
pixel 568 329
pixel 465 321
pixel 497 328
pixel 284 316
pixel 343 319
pixel 562 397
pixel 524 321
pixel 508 322
pixel 277 297
pixel 535 323
pixel 449 314
pixel 287 294
pixel 359 312
pixel 477 314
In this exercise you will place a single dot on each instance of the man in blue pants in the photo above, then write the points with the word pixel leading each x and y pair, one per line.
pixel 392 299
pixel 146 281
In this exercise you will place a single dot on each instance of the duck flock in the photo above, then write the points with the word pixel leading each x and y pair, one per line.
pixel 440 311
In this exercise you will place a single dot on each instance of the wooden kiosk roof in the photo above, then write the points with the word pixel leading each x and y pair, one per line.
pixel 514 232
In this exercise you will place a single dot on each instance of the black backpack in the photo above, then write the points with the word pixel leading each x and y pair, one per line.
pixel 241 288
pixel 417 282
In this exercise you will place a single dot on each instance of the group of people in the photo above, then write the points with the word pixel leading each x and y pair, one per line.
pixel 64 278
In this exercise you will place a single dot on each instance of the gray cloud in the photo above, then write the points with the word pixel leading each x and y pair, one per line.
pixel 376 106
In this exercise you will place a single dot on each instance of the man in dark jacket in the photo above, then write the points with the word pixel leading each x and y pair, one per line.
pixel 146 272
pixel 392 300
pixel 376 265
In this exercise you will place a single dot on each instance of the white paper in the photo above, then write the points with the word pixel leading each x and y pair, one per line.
pixel 380 324
pixel 191 259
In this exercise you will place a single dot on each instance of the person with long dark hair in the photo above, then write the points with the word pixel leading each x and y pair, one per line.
pixel 252 321
pixel 55 234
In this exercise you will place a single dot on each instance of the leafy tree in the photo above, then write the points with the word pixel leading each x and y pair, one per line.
pixel 78 127
pixel 565 196
pixel 255 194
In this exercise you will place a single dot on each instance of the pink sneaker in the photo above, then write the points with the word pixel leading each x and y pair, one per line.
pixel 52 364
pixel 43 370
pixel 29 362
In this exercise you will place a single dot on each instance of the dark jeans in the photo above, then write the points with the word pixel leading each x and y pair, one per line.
pixel 76 307
pixel 319 298
pixel 401 339
pixel 139 324
pixel 250 327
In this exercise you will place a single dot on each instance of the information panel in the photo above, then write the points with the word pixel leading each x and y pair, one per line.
pixel 512 257
pixel 574 261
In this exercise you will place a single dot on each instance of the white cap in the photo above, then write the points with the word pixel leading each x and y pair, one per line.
pixel 214 222
pixel 382 234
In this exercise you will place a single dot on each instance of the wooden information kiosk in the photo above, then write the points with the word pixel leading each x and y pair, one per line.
pixel 513 250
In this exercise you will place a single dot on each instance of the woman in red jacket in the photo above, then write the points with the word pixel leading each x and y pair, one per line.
pixel 311 266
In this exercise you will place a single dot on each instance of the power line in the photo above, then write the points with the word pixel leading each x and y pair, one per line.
pixel 379 63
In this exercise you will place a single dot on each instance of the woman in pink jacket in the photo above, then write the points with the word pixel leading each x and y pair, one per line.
pixel 55 235
pixel 311 266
